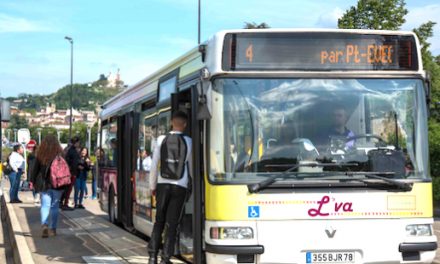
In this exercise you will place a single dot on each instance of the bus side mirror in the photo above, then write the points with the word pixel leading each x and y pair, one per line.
pixel 427 87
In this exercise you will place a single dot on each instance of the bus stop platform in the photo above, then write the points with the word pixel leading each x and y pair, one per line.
pixel 83 235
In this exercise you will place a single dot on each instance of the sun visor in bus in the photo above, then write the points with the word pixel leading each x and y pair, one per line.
pixel 204 90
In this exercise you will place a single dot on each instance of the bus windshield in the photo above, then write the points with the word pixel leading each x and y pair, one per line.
pixel 261 127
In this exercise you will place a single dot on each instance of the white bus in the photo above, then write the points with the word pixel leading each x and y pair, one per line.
pixel 310 146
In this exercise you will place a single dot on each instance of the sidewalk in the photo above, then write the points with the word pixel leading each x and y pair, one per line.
pixel 83 236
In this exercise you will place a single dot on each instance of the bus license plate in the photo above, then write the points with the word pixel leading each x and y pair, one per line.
pixel 330 257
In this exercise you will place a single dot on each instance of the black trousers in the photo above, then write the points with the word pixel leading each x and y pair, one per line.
pixel 170 199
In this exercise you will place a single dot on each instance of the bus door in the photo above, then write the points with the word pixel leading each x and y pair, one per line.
pixel 127 142
pixel 182 101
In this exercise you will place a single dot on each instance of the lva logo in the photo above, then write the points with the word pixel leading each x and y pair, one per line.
pixel 325 207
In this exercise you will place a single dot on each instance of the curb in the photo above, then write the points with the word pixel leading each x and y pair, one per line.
pixel 20 249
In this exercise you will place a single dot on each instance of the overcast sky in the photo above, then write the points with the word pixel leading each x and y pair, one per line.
pixel 139 36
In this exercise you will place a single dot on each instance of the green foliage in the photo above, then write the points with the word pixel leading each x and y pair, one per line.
pixel 374 14
pixel 424 32
pixel 17 122
pixel 84 96
pixel 5 153
pixel 253 25
pixel 436 188
pixel 434 147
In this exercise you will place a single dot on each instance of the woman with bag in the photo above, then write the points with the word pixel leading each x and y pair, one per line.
pixel 81 181
pixel 49 149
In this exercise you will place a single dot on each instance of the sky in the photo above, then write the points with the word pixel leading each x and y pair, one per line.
pixel 140 36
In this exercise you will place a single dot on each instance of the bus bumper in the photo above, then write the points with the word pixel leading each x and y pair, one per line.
pixel 232 254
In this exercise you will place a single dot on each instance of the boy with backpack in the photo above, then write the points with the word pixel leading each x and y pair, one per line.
pixel 172 155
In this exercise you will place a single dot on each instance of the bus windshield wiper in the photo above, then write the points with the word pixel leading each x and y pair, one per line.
pixel 405 186
pixel 256 187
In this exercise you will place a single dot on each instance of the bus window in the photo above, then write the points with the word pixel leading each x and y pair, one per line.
pixel 290 122
pixel 164 123
pixel 109 144
pixel 147 142
pixel 166 88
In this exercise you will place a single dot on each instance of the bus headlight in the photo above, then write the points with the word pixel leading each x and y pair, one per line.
pixel 231 233
pixel 419 230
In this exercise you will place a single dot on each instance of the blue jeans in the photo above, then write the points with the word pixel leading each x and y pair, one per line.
pixel 80 186
pixel 14 178
pixel 50 201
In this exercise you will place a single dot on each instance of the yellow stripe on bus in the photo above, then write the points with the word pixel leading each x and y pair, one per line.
pixel 234 202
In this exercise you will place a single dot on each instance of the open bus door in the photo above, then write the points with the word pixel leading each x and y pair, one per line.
pixel 190 233
pixel 127 141
pixel 182 101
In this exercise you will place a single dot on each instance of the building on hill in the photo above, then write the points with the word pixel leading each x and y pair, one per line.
pixel 114 80
pixel 50 116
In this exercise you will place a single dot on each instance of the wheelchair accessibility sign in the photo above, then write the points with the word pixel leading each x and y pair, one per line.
pixel 253 211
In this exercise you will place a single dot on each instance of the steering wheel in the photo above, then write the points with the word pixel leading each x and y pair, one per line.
pixel 339 147
pixel 381 140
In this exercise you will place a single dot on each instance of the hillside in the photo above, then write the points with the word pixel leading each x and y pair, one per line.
pixel 85 97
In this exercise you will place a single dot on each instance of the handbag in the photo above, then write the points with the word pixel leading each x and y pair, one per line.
pixel 7 169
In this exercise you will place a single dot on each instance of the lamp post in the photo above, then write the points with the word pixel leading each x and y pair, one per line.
pixel 39 135
pixel 15 134
pixel 71 84
pixel 198 24
pixel 89 137
pixel 58 135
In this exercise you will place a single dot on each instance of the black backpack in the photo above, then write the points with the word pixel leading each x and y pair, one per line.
pixel 173 157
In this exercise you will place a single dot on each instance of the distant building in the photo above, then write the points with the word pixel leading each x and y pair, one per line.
pixel 59 119
pixel 113 79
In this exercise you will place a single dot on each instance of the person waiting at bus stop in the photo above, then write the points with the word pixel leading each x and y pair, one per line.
pixel 17 162
pixel 40 177
pixel 73 159
pixel 170 193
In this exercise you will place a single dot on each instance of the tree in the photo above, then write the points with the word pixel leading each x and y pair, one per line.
pixel 253 25
pixel 18 122
pixel 374 14
pixel 424 32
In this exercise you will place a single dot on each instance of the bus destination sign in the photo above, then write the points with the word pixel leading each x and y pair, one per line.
pixel 320 51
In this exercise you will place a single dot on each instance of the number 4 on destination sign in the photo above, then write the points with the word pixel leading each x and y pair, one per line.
pixel 249 53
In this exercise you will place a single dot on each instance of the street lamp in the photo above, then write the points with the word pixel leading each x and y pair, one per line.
pixel 39 135
pixel 15 134
pixel 89 137
pixel 71 84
